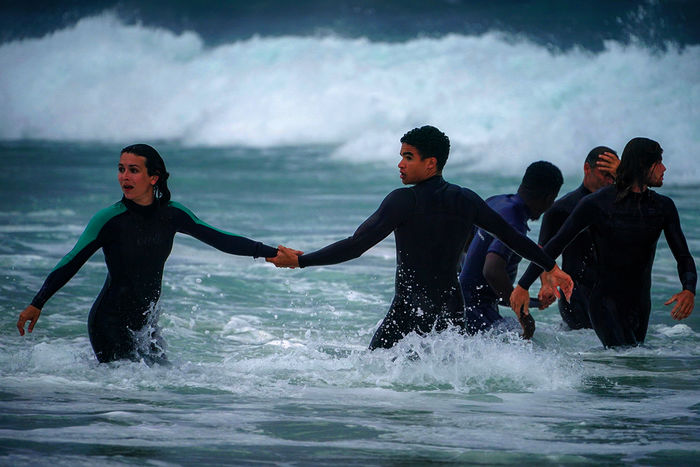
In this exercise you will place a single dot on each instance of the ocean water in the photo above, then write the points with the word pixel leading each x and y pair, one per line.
pixel 291 137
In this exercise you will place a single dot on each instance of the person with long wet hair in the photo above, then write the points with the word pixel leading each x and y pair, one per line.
pixel 625 221
pixel 136 235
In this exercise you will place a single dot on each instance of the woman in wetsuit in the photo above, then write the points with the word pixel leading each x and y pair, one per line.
pixel 625 221
pixel 136 236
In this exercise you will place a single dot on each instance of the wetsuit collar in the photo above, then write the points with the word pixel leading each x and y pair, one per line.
pixel 137 208
pixel 437 178
pixel 584 190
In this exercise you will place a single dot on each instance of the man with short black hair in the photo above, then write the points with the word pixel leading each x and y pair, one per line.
pixel 490 267
pixel 431 221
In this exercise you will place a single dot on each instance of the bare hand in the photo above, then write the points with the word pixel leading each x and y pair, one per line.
pixel 546 296
pixel 608 162
pixel 286 258
pixel 31 314
pixel 520 301
pixel 685 302
pixel 556 278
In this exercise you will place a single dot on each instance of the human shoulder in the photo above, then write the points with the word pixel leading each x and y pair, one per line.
pixel 568 202
pixel 105 215
pixel 174 205
pixel 468 194
pixel 180 213
pixel 660 198
pixel 665 202
pixel 401 195
pixel 603 196
pixel 98 222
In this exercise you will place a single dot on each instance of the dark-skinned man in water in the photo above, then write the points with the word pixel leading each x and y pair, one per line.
pixel 431 221
pixel 625 221
pixel 490 267
pixel 578 258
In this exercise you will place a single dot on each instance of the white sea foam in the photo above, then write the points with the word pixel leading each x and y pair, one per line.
pixel 504 102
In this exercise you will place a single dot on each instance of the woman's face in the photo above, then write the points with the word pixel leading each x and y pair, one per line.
pixel 133 177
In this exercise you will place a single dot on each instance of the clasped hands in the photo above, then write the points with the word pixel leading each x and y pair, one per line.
pixel 552 281
pixel 286 257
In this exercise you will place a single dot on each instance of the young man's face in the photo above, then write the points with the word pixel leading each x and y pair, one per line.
pixel 655 177
pixel 413 169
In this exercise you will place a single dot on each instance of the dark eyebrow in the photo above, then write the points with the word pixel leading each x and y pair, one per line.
pixel 407 152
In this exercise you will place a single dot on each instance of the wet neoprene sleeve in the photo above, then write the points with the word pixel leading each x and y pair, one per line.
pixel 397 207
pixel 592 210
pixel 106 224
pixel 186 222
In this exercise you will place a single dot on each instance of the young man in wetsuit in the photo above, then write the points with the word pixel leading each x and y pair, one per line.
pixel 578 257
pixel 431 222
pixel 625 221
pixel 490 267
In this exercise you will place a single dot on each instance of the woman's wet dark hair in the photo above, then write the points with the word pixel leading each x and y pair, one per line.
pixel 155 166
pixel 639 155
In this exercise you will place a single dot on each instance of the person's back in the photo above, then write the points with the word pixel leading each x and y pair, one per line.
pixel 490 267
pixel 430 240
pixel 480 299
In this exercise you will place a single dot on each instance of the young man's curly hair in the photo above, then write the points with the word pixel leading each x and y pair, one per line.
pixel 430 142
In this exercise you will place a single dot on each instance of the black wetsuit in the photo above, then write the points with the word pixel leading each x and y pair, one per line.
pixel 431 222
pixel 136 241
pixel 577 260
pixel 624 235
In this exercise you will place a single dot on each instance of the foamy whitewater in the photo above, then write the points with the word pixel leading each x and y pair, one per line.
pixel 503 100
pixel 294 140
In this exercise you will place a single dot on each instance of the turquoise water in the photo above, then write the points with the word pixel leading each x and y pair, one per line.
pixel 281 122
pixel 270 366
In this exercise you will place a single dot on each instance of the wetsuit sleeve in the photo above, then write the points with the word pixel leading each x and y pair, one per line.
pixel 186 222
pixel 552 220
pixel 395 208
pixel 583 215
pixel 489 220
pixel 679 247
pixel 500 248
pixel 88 243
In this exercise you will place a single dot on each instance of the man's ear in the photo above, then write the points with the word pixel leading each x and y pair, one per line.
pixel 431 163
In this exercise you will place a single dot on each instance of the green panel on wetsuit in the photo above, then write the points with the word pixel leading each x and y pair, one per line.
pixel 92 230
pixel 196 220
